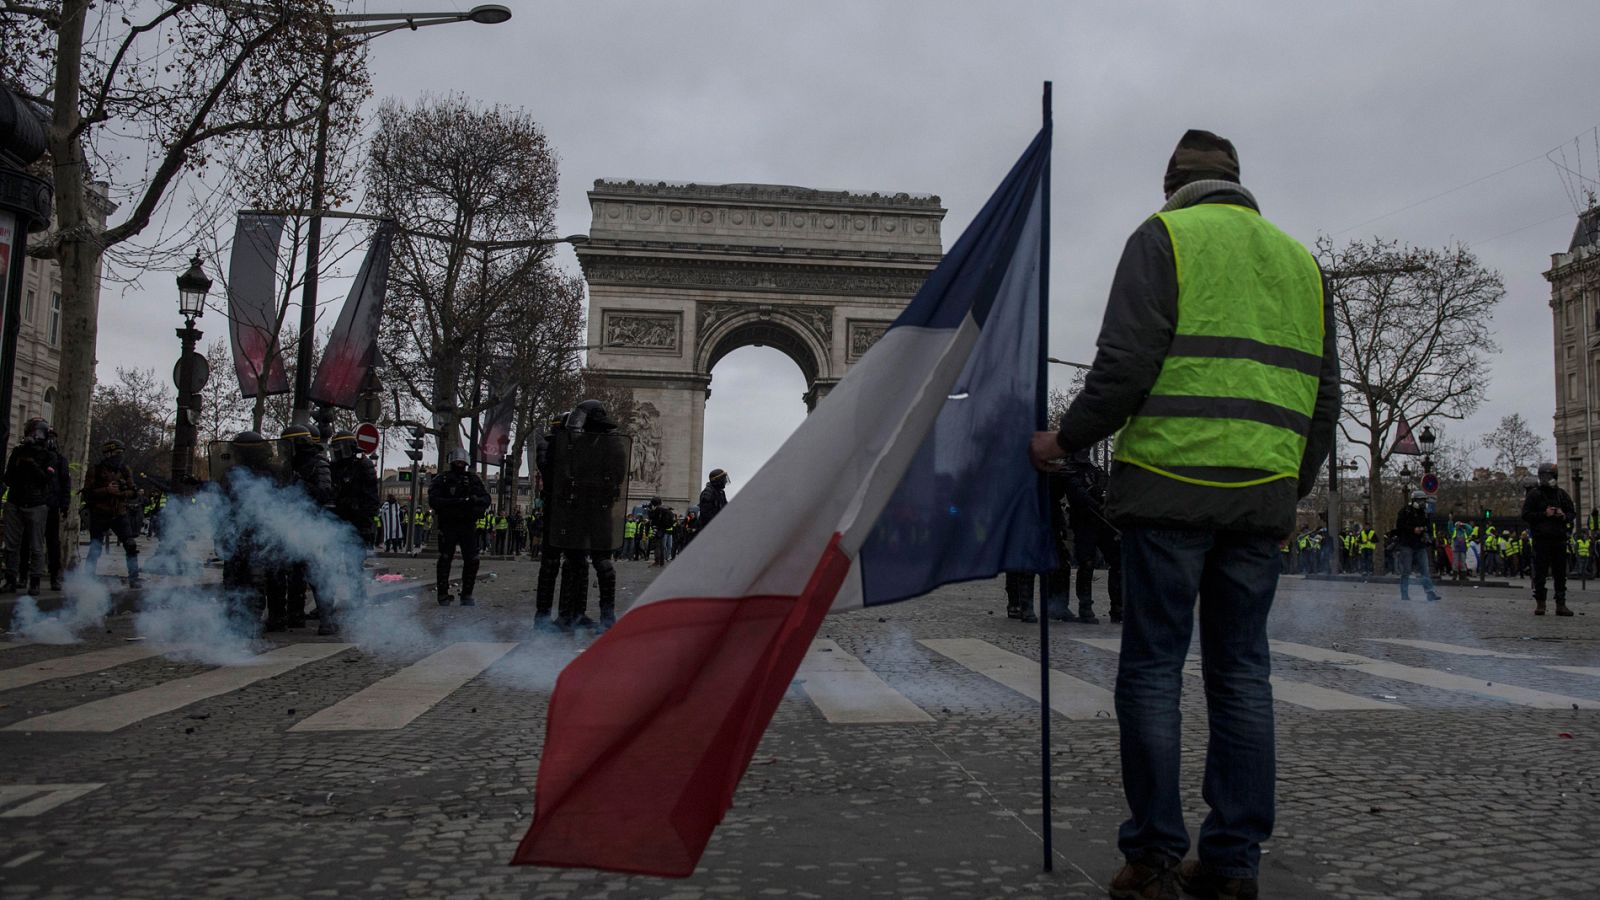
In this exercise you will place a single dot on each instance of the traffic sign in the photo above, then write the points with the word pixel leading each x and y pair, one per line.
pixel 367 437
pixel 1430 483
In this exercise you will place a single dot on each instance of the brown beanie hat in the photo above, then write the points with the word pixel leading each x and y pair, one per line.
pixel 1201 155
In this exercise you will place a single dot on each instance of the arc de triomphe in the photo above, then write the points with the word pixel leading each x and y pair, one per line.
pixel 681 275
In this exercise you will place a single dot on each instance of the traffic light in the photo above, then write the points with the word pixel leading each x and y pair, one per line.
pixel 405 475
pixel 415 450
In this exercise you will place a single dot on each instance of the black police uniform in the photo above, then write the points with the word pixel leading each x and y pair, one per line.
pixel 309 469
pixel 458 497
pixel 1092 534
pixel 108 490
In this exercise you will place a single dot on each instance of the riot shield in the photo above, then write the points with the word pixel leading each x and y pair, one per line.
pixel 266 459
pixel 588 474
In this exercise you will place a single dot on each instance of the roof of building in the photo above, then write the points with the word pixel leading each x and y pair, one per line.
pixel 1587 234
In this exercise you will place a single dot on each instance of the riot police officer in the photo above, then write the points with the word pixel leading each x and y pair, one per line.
pixel 307 467
pixel 108 490
pixel 30 480
pixel 1092 535
pixel 458 497
pixel 355 486
pixel 584 462
pixel 251 582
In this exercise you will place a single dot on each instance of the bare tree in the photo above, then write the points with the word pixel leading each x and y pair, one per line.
pixel 190 83
pixel 1414 338
pixel 223 411
pixel 458 179
pixel 1514 445
pixel 136 409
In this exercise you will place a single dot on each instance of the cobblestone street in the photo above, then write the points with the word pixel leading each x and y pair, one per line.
pixel 1425 751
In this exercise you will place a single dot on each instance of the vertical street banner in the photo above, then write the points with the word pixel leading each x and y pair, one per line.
pixel 912 474
pixel 352 348
pixel 252 304
pixel 9 223
pixel 1405 443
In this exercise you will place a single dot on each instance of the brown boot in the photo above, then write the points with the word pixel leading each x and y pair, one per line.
pixel 1538 607
pixel 1561 608
pixel 1198 880
pixel 1150 878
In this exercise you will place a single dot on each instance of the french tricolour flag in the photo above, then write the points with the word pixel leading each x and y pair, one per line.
pixel 911 474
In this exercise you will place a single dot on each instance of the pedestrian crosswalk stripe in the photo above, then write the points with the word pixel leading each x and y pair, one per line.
pixel 123 710
pixel 1452 648
pixel 12 645
pixel 1432 678
pixel 1071 697
pixel 49 796
pixel 72 666
pixel 398 700
pixel 846 692
pixel 1578 670
pixel 1294 693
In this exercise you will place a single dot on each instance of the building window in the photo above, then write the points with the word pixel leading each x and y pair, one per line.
pixel 49 404
pixel 55 319
pixel 27 308
pixel 1572 388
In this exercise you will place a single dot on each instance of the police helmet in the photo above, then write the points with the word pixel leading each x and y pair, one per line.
pixel 718 476
pixel 111 447
pixel 302 436
pixel 252 451
pixel 343 444
pixel 458 455
pixel 590 415
pixel 36 429
pixel 1548 472
pixel 1419 496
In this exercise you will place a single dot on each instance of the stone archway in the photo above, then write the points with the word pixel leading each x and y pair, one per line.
pixel 680 275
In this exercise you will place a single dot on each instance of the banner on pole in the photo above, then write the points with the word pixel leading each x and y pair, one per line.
pixel 352 347
pixel 252 307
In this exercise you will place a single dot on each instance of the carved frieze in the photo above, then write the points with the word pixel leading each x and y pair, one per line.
pixel 647 332
pixel 816 319
pixel 860 336
pixel 865 283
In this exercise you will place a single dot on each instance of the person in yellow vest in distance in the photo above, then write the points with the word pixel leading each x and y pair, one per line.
pixel 1367 543
pixel 1203 485
pixel 1585 557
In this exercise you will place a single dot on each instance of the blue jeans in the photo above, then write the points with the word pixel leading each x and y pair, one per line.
pixel 1235 576
pixel 1405 557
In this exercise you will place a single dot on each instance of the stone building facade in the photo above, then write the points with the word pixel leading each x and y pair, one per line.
pixel 680 275
pixel 38 369
pixel 1574 278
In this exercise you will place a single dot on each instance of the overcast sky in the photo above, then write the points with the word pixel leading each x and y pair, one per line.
pixel 1344 115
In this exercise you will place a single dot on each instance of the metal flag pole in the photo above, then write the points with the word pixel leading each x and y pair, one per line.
pixel 1043 415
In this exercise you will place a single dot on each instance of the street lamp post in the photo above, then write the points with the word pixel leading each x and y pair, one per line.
pixel 191 373
pixel 366 26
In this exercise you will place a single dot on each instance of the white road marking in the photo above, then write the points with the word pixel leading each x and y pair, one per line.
pixel 23 859
pixel 1448 681
pixel 1456 649
pixel 1578 670
pixel 1295 693
pixel 54 796
pixel 123 710
pixel 72 666
pixel 1071 697
pixel 399 699
pixel 846 692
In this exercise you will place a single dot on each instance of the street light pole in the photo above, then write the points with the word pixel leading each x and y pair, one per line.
pixel 193 286
pixel 345 25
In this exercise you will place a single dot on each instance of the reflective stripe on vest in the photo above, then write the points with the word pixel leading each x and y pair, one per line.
pixel 1239 383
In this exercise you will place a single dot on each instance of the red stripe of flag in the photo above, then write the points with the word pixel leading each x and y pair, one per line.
pixel 650 730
